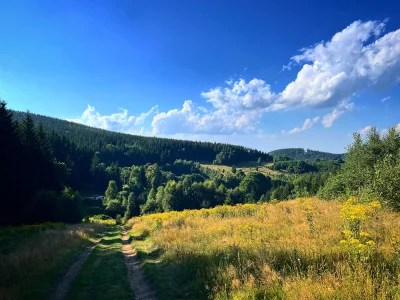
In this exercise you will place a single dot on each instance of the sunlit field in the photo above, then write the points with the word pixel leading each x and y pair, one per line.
pixel 300 249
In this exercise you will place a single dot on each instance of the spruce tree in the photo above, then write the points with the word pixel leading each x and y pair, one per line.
pixel 11 168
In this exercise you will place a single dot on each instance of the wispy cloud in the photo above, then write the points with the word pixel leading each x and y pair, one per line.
pixel 385 99
pixel 308 123
pixel 331 117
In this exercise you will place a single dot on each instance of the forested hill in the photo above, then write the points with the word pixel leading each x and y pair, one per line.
pixel 302 154
pixel 131 150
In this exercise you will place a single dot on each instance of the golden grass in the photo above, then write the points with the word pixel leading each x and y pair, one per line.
pixel 27 271
pixel 96 220
pixel 246 168
pixel 291 250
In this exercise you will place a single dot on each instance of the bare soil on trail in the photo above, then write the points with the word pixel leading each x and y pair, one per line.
pixel 139 284
pixel 61 288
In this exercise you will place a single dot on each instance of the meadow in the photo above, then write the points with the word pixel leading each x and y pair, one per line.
pixel 33 256
pixel 246 167
pixel 299 249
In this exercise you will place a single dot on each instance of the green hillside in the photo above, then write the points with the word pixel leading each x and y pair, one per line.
pixel 130 149
pixel 305 154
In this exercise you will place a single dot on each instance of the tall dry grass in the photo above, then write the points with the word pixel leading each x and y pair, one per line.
pixel 291 250
pixel 29 268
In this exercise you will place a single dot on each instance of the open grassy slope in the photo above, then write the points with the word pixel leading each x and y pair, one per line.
pixel 246 167
pixel 300 249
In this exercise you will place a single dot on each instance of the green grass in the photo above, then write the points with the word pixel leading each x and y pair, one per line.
pixel 32 263
pixel 39 288
pixel 104 274
pixel 170 280
pixel 12 236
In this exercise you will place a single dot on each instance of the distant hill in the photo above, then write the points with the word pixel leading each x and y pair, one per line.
pixel 305 154
pixel 130 149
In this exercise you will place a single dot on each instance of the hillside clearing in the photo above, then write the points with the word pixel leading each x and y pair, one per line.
pixel 246 167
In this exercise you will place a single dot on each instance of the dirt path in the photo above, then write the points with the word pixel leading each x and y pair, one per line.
pixel 139 285
pixel 61 288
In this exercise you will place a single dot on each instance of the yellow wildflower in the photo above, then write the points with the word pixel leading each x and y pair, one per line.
pixel 364 234
pixel 370 243
pixel 347 232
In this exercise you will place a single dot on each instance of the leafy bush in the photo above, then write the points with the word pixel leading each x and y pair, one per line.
pixel 371 170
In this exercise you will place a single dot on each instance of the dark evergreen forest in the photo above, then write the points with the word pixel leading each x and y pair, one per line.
pixel 302 154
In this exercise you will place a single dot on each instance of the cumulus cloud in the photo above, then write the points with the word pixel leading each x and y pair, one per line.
pixel 353 60
pixel 346 64
pixel 308 123
pixel 117 122
pixel 196 119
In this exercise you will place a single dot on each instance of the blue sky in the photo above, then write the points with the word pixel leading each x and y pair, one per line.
pixel 257 73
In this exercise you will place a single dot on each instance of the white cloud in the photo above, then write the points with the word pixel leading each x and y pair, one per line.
pixel 331 117
pixel 308 123
pixel 143 116
pixel 385 99
pixel 241 95
pixel 196 119
pixel 355 59
pixel 346 64
pixel 116 122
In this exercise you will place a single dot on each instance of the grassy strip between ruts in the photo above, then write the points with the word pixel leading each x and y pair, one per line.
pixel 169 280
pixel 29 269
pixel 104 274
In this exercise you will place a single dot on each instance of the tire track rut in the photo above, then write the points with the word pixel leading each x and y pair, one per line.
pixel 137 280
pixel 63 285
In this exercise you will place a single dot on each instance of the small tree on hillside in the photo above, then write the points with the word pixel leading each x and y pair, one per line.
pixel 233 169
pixel 112 191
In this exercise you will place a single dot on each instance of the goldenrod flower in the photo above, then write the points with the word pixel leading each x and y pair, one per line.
pixel 370 243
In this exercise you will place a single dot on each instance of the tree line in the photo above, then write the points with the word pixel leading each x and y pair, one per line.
pixel 32 180
pixel 304 154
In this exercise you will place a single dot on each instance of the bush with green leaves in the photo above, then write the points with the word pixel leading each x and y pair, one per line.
pixel 371 170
